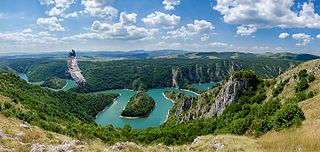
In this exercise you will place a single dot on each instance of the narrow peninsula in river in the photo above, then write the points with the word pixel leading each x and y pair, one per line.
pixel 139 106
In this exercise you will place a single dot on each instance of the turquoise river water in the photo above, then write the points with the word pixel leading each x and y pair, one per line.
pixel 111 115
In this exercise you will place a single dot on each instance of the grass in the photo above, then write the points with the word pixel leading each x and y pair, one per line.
pixel 305 138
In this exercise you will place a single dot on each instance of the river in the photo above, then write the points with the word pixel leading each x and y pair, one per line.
pixel 69 85
pixel 203 86
pixel 111 115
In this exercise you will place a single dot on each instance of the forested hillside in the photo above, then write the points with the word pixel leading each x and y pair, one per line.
pixel 153 73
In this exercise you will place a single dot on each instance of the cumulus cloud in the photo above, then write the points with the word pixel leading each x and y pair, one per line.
pixel 246 30
pixel 100 8
pixel 51 23
pixel 170 4
pixel 46 2
pixel 219 44
pixel 128 18
pixel 303 39
pixel 268 13
pixel 28 30
pixel 199 27
pixel 74 14
pixel 125 29
pixel 159 19
pixel 29 38
pixel 283 35
pixel 60 7
pixel 318 36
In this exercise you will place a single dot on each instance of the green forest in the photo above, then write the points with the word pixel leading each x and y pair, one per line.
pixel 149 73
pixel 140 105
pixel 54 83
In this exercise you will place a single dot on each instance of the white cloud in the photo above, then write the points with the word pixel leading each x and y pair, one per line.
pixel 44 33
pixel 29 38
pixel 159 19
pixel 46 2
pixel 128 18
pixel 74 14
pixel 246 30
pixel 283 35
pixel 60 7
pixel 125 29
pixel 64 3
pixel 28 30
pixel 51 23
pixel 170 4
pixel 219 44
pixel 55 11
pixel 268 13
pixel 318 36
pixel 303 39
pixel 199 27
pixel 100 8
pixel 205 37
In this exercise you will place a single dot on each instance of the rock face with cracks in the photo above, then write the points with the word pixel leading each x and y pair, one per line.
pixel 74 70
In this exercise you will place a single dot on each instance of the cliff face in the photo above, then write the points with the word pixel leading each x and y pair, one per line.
pixel 215 101
pixel 227 96
pixel 74 70
pixel 175 73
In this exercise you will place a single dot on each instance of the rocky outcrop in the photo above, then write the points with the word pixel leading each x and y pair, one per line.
pixel 74 70
pixel 175 73
pixel 185 105
pixel 228 95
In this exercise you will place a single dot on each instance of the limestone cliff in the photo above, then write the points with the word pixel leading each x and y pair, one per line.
pixel 228 94
pixel 175 72
pixel 215 101
pixel 74 70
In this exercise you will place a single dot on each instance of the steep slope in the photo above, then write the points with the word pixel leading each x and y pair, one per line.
pixel 289 89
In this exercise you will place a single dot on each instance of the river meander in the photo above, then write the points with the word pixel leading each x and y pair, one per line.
pixel 111 115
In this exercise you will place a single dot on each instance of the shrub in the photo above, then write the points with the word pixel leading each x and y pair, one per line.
pixel 280 87
pixel 303 73
pixel 289 115
pixel 310 78
pixel 302 85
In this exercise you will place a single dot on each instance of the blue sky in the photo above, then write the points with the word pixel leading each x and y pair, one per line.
pixel 195 25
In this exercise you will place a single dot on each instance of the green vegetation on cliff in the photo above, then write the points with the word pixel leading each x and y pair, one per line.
pixel 249 114
pixel 54 83
pixel 140 105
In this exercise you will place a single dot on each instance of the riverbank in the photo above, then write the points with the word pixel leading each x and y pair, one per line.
pixel 114 101
pixel 167 98
pixel 191 92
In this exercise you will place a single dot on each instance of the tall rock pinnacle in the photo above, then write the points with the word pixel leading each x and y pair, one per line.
pixel 74 70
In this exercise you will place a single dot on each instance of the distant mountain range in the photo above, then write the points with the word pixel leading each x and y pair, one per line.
pixel 142 54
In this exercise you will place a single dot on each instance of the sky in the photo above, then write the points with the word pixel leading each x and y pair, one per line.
pixel 195 25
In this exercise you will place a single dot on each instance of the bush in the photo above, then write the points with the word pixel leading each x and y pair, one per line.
pixel 288 116
pixel 310 78
pixel 280 87
pixel 260 126
pixel 302 85
pixel 303 73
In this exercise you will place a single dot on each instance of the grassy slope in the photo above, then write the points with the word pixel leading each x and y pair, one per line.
pixel 289 89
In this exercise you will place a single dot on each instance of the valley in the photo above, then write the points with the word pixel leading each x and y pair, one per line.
pixel 215 106
pixel 159 76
